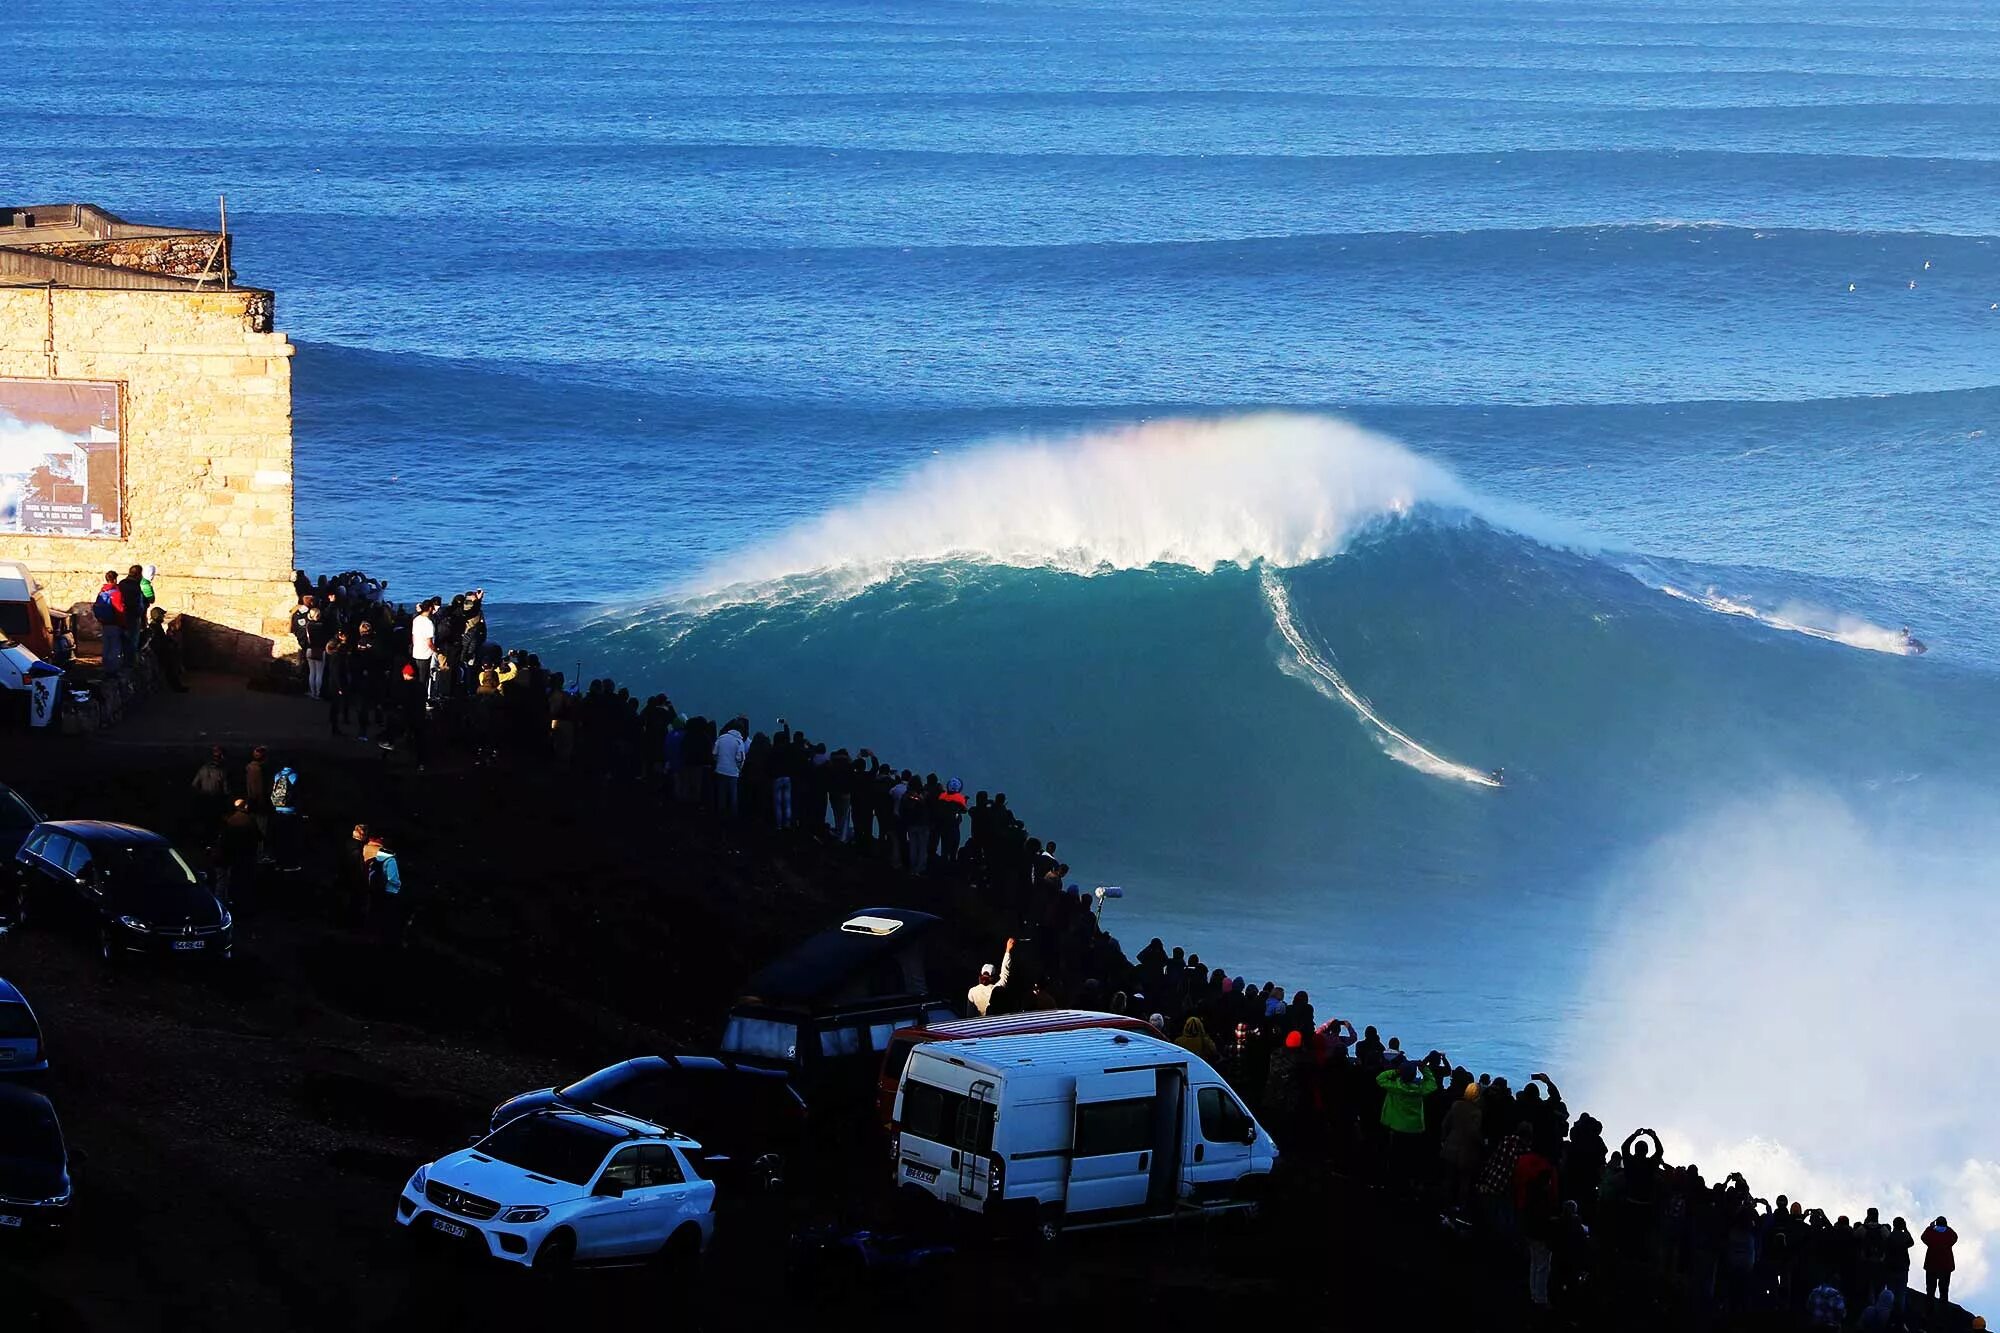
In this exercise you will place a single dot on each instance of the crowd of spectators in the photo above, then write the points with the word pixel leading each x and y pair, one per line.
pixel 1508 1167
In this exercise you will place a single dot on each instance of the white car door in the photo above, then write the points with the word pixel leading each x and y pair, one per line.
pixel 604 1225
pixel 1111 1156
pixel 1219 1151
pixel 655 1207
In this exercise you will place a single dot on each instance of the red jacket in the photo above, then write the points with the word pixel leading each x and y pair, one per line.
pixel 1937 1249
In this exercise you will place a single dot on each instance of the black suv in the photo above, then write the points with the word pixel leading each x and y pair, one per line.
pixel 749 1121
pixel 125 887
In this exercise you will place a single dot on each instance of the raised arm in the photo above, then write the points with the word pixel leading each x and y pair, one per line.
pixel 1547 1082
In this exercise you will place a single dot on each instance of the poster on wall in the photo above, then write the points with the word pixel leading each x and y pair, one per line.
pixel 61 470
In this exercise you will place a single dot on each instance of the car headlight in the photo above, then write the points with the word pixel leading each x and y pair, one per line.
pixel 134 923
pixel 420 1179
pixel 227 921
pixel 528 1214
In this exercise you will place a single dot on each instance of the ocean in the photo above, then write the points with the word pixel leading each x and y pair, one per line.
pixel 1426 497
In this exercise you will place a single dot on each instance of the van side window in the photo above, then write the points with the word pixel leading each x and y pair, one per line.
pixel 935 1113
pixel 1103 1128
pixel 834 1042
pixel 1222 1120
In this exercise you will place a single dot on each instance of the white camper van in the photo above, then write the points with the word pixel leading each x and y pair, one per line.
pixel 1062 1130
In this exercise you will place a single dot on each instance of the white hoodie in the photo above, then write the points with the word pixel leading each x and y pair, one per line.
pixel 729 748
pixel 981 995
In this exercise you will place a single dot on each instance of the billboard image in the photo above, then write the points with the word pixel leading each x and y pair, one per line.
pixel 60 466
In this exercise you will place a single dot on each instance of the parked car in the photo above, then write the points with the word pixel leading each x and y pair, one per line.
pixel 21 1048
pixel 37 1184
pixel 1048 1130
pixel 824 1011
pixel 125 887
pixel 552 1188
pixel 750 1119
pixel 17 821
pixel 904 1040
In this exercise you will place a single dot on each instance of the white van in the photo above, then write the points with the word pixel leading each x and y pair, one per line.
pixel 1063 1130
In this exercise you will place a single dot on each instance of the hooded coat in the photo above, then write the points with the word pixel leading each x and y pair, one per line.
pixel 1403 1100
pixel 1464 1140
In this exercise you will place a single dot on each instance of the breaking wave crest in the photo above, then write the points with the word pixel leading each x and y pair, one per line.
pixel 1277 488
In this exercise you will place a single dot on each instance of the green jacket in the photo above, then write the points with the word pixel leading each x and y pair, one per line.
pixel 1403 1103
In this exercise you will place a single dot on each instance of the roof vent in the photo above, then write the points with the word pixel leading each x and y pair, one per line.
pixel 871 925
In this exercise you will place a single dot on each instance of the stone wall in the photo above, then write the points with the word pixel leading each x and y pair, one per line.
pixel 184 255
pixel 207 431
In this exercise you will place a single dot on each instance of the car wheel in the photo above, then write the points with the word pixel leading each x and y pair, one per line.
pixel 681 1255
pixel 557 1253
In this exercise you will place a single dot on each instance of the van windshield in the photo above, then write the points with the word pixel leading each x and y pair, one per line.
pixel 762 1038
pixel 901 1043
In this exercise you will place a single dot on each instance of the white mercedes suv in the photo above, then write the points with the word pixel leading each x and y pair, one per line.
pixel 552 1188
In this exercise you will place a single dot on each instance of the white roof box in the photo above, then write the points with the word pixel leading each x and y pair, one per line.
pixel 871 925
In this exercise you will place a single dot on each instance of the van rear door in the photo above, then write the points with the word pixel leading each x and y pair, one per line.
pixel 1113 1142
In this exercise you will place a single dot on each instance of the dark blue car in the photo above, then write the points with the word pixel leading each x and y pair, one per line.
pixel 37 1185
pixel 21 1048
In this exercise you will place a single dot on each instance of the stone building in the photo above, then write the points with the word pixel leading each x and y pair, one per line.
pixel 145 418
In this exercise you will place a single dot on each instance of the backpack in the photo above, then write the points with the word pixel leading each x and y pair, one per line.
pixel 105 608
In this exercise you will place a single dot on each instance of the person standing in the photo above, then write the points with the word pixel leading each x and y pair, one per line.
pixel 211 789
pixel 132 608
pixel 108 610
pixel 257 791
pixel 351 876
pixel 333 680
pixel 301 619
pixel 730 749
pixel 319 632
pixel 389 902
pixel 364 668
pixel 980 997
pixel 423 634
pixel 1938 1240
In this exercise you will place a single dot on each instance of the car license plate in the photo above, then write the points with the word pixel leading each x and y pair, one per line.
pixel 190 944
pixel 918 1171
pixel 451 1229
pixel 9 1220
pixel 9 1057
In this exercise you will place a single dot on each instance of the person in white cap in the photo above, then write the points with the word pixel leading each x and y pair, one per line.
pixel 981 994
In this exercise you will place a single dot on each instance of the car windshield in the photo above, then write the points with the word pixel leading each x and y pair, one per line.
pixel 150 875
pixel 28 1130
pixel 607 1087
pixel 141 863
pixel 550 1145
pixel 15 1021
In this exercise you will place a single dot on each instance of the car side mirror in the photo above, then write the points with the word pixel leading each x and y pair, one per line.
pixel 1250 1135
pixel 609 1189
